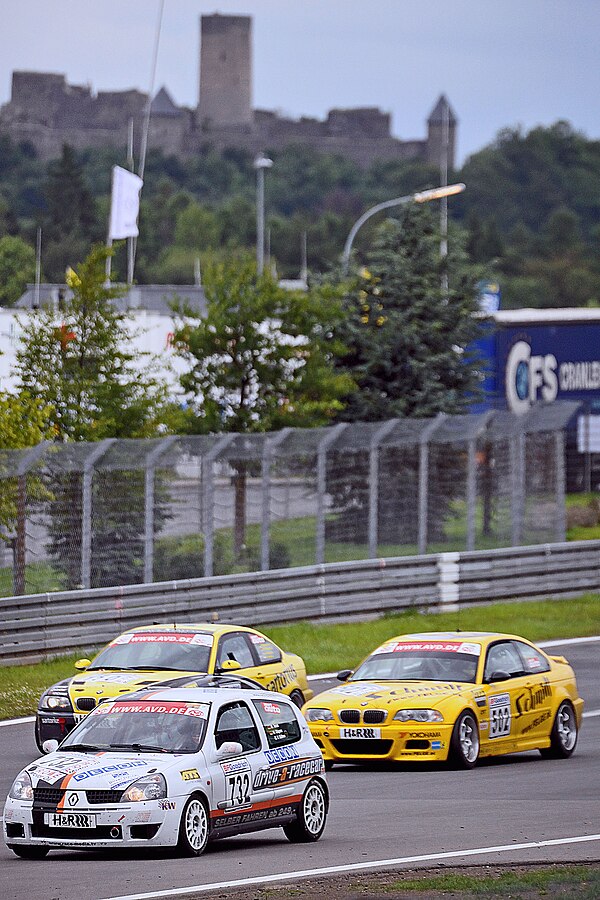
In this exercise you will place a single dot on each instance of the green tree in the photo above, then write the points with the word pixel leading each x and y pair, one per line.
pixel 79 362
pixel 261 359
pixel 406 338
pixel 17 268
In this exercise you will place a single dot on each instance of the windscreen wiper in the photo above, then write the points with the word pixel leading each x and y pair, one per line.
pixel 139 748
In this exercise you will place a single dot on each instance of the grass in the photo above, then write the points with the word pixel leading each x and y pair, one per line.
pixel 330 647
pixel 553 881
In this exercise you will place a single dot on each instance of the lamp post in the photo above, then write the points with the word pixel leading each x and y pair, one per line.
pixel 261 163
pixel 420 197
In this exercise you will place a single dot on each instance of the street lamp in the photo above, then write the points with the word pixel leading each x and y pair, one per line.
pixel 261 163
pixel 419 197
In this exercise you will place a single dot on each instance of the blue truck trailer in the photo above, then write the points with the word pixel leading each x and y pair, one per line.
pixel 547 355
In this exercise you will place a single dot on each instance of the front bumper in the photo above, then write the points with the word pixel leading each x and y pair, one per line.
pixel 400 741
pixel 118 825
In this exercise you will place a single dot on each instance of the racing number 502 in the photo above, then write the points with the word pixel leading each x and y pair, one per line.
pixel 238 789
pixel 500 719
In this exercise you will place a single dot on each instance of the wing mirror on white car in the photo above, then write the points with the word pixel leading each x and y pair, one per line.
pixel 228 749
pixel 50 745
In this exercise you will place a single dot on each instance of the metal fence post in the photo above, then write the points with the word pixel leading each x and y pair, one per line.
pixel 324 444
pixel 376 439
pixel 424 478
pixel 472 480
pixel 270 444
pixel 208 499
pixel 517 475
pixel 561 517
pixel 20 540
pixel 150 464
pixel 86 510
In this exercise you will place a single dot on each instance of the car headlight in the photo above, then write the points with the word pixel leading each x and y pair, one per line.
pixel 150 787
pixel 22 788
pixel 56 699
pixel 418 715
pixel 316 714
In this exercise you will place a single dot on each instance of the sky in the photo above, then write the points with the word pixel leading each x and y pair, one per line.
pixel 501 63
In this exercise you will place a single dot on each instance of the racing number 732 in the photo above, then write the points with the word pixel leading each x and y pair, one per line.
pixel 238 789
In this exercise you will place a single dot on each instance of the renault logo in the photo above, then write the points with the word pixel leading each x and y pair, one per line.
pixel 73 799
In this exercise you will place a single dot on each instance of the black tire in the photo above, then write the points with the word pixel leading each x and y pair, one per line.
pixel 194 827
pixel 38 739
pixel 28 852
pixel 312 815
pixel 297 697
pixel 464 743
pixel 563 737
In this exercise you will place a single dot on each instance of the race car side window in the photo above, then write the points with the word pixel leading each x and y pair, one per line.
pixel 235 723
pixel 235 646
pixel 534 660
pixel 266 651
pixel 503 657
pixel 280 722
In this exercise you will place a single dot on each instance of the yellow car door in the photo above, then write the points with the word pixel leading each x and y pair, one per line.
pixel 504 678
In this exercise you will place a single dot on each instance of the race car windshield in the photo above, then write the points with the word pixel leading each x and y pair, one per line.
pixel 418 665
pixel 142 727
pixel 179 652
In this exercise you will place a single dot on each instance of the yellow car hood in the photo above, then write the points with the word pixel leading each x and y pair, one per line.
pixel 409 694
pixel 100 684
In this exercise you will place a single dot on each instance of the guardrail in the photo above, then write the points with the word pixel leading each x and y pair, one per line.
pixel 39 626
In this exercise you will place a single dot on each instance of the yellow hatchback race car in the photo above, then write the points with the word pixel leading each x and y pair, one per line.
pixel 158 653
pixel 453 696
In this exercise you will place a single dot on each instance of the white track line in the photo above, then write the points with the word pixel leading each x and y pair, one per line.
pixel 17 721
pixel 356 867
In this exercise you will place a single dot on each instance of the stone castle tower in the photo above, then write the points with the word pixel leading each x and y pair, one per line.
pixel 225 96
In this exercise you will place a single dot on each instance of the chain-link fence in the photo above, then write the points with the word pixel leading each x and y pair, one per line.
pixel 133 511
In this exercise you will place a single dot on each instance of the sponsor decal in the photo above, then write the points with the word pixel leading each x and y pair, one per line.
pixel 480 700
pixel 238 790
pixel 437 745
pixel 434 647
pixel 369 733
pixel 196 710
pixel 142 817
pixel 283 774
pixel 500 715
pixel 529 378
pixel 167 804
pixel 70 820
pixel 271 708
pixel 49 721
pixel 281 754
pixel 236 765
pixel 483 726
pixel 359 689
pixel 72 798
pixel 536 722
pixel 257 639
pixel 8 814
pixel 275 812
pixel 532 697
pixel 111 678
pixel 283 679
pixel 534 662
pixel 103 770
pixel 420 734
pixel 190 775
pixel 169 637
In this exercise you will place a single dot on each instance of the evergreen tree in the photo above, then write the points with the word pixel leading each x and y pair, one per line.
pixel 407 340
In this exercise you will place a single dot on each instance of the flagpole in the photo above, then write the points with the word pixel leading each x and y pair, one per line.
pixel 144 143
pixel 130 165
pixel 108 235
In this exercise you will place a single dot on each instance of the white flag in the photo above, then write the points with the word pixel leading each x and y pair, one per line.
pixel 125 204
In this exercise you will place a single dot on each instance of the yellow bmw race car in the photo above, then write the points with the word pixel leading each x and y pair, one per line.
pixel 453 696
pixel 158 653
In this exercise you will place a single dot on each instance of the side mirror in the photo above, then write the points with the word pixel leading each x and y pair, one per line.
pixel 344 675
pixel 229 665
pixel 498 676
pixel 50 745
pixel 83 663
pixel 228 749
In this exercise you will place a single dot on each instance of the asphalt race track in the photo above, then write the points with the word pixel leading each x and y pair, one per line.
pixel 378 818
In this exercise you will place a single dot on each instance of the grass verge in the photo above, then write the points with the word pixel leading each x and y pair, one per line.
pixel 328 647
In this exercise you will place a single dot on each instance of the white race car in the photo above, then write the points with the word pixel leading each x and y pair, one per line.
pixel 172 767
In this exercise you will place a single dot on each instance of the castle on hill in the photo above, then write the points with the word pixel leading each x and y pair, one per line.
pixel 48 112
